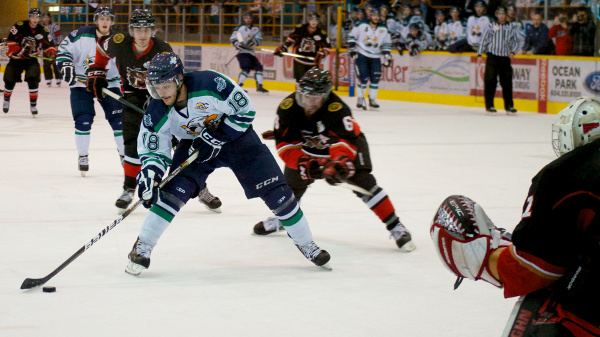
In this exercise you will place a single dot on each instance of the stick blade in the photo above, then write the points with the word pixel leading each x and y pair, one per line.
pixel 32 283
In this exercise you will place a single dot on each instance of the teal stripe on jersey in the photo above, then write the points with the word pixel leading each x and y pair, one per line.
pixel 161 123
pixel 241 126
pixel 93 36
pixel 293 220
pixel 201 93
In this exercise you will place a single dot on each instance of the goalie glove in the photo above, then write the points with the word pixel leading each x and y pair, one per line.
pixel 207 146
pixel 464 237
pixel 338 169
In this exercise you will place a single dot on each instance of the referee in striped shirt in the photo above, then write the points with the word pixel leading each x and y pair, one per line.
pixel 500 43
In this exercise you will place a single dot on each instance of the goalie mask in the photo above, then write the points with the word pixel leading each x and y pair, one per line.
pixel 164 68
pixel 314 89
pixel 576 125
pixel 463 237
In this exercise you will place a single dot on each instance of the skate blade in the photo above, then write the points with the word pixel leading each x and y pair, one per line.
pixel 408 247
pixel 83 173
pixel 326 266
pixel 134 269
pixel 214 210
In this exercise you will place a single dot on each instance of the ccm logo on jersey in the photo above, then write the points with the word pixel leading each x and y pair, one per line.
pixel 266 182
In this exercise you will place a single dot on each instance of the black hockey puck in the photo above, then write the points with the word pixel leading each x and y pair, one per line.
pixel 49 289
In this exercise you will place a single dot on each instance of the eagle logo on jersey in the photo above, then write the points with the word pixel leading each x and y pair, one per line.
pixel 286 103
pixel 119 38
pixel 136 78
pixel 197 124
pixel 335 106
pixel 39 37
pixel 221 84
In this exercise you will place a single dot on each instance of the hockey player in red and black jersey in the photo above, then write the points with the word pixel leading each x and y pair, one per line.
pixel 132 53
pixel 307 40
pixel 553 261
pixel 317 138
pixel 27 41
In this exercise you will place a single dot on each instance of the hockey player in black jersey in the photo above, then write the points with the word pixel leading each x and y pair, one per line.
pixel 307 40
pixel 553 261
pixel 27 40
pixel 317 138
pixel 132 53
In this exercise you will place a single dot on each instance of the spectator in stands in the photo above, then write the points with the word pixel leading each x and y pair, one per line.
pixel 538 41
pixel 583 31
pixel 512 17
pixel 559 32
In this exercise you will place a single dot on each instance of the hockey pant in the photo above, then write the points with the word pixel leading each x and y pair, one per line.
pixel 82 108
pixel 256 170
pixel 249 62
pixel 368 69
pixel 12 76
pixel 379 203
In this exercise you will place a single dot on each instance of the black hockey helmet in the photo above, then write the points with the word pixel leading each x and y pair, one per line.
pixel 312 16
pixel 164 67
pixel 34 11
pixel 141 18
pixel 480 3
pixel 314 88
pixel 104 11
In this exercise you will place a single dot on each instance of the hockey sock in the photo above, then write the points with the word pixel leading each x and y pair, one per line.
pixel 296 225
pixel 373 88
pixel 33 96
pixel 131 167
pixel 82 141
pixel 119 141
pixel 7 94
pixel 160 216
pixel 381 205
pixel 259 77
pixel 243 77
pixel 361 89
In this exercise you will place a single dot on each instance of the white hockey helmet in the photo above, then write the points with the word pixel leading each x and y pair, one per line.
pixel 576 125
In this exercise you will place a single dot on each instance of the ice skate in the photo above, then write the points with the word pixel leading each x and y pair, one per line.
pixel 49 83
pixel 58 84
pixel 84 165
pixel 139 258
pixel 315 254
pixel 403 238
pixel 491 111
pixel 34 110
pixel 211 202
pixel 241 85
pixel 261 89
pixel 5 106
pixel 511 111
pixel 360 103
pixel 268 226
pixel 373 103
pixel 124 200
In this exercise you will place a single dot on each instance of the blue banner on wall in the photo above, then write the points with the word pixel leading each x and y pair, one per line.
pixel 192 58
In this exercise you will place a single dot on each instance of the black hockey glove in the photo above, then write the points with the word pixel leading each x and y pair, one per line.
pixel 281 49
pixel 148 180
pixel 27 46
pixel 339 168
pixel 413 49
pixel 320 56
pixel 310 167
pixel 67 71
pixel 207 146
pixel 96 81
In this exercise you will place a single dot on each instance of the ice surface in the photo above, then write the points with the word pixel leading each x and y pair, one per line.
pixel 210 277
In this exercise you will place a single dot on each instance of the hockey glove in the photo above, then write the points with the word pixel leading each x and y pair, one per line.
pixel 27 45
pixel 320 56
pixel 354 55
pixel 148 180
pixel 387 59
pixel 51 53
pixel 281 49
pixel 268 135
pixel 96 81
pixel 413 49
pixel 207 146
pixel 311 167
pixel 68 73
pixel 464 238
pixel 338 169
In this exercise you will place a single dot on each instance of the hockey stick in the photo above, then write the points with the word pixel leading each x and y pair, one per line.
pixel 345 183
pixel 35 282
pixel 119 98
pixel 42 57
pixel 289 54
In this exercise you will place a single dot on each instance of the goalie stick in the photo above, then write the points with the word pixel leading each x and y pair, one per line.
pixel 35 282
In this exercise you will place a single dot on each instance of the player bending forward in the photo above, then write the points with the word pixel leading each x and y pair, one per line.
pixel 366 43
pixel 317 138
pixel 75 54
pixel 553 261
pixel 244 38
pixel 210 114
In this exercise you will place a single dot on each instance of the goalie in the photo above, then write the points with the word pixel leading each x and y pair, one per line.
pixel 553 261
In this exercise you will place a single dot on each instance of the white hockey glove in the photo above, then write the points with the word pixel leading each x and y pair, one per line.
pixel 387 60
pixel 67 71
pixel 207 146
pixel 148 180
pixel 464 237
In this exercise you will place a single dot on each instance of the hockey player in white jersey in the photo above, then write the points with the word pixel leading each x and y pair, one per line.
pixel 440 31
pixel 75 54
pixel 367 42
pixel 244 38
pixel 456 27
pixel 416 41
pixel 212 117
pixel 512 16
pixel 476 25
